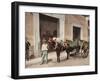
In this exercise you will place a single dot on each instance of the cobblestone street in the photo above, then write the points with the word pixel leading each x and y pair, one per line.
pixel 52 61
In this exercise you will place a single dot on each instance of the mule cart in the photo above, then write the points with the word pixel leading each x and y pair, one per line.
pixel 77 47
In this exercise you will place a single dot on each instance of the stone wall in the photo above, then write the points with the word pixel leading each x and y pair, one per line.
pixel 78 21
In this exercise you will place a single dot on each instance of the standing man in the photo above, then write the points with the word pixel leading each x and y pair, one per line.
pixel 27 46
pixel 44 52
pixel 58 50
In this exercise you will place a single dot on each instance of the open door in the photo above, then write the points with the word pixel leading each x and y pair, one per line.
pixel 49 27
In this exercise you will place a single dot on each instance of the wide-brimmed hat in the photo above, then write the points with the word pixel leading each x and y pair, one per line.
pixel 44 40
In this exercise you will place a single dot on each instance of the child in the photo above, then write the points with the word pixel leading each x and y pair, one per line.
pixel 44 52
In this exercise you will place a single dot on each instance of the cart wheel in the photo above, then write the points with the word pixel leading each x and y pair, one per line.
pixel 85 53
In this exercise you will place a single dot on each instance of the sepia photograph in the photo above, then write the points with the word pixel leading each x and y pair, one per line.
pixel 50 40
pixel 56 40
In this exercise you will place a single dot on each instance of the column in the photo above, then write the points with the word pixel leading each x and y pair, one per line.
pixel 36 34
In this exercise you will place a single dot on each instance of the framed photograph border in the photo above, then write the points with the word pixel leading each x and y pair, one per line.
pixel 15 39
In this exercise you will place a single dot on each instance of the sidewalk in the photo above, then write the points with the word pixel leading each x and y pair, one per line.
pixel 52 61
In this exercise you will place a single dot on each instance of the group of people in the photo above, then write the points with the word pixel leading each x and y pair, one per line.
pixel 58 46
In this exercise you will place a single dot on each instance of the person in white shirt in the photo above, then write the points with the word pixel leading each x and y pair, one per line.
pixel 44 50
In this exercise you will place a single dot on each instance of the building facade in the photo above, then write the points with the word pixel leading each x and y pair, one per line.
pixel 63 26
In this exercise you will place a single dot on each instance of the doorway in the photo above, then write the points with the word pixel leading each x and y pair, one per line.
pixel 49 27
pixel 76 32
